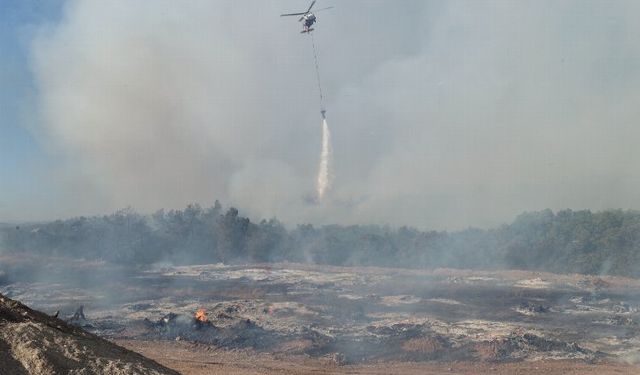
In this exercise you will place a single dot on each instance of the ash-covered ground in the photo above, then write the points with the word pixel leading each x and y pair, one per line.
pixel 353 314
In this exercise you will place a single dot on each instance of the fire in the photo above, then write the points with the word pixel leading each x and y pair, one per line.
pixel 201 315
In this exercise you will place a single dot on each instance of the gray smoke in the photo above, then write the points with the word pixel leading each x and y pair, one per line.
pixel 444 114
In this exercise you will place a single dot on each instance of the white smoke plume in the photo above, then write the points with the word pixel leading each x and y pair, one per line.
pixel 459 113
pixel 324 169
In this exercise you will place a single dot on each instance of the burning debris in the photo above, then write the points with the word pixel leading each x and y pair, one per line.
pixel 201 316
pixel 241 333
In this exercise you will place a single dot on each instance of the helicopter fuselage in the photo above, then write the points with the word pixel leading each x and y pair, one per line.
pixel 309 19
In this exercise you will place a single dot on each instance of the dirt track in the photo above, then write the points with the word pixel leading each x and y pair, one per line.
pixel 190 359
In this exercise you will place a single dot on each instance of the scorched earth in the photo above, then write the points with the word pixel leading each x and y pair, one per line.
pixel 353 315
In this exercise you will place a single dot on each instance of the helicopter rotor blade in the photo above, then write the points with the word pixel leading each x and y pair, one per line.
pixel 292 14
pixel 311 6
pixel 319 10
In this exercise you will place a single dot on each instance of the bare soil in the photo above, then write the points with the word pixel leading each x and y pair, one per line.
pixel 34 343
pixel 194 359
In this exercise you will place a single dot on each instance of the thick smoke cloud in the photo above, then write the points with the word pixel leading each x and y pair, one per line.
pixel 443 114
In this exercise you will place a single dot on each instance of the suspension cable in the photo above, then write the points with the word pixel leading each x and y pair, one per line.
pixel 315 56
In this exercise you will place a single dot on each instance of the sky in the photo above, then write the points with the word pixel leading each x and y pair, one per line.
pixel 21 158
pixel 444 114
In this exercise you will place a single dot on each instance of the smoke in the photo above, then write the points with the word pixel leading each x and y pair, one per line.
pixel 324 169
pixel 456 113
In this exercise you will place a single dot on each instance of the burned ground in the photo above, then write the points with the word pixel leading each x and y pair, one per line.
pixel 361 315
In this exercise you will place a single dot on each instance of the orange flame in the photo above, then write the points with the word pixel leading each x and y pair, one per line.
pixel 201 315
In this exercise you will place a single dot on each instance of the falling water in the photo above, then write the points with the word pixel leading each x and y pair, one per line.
pixel 324 170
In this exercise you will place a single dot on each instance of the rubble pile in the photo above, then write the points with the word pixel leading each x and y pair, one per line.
pixel 521 346
pixel 531 308
pixel 241 333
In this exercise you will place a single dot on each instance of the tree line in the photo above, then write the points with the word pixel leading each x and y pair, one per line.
pixel 566 241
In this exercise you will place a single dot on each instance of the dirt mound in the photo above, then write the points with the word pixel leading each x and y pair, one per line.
pixel 527 345
pixel 32 342
pixel 426 345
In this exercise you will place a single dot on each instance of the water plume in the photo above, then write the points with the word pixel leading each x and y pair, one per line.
pixel 324 169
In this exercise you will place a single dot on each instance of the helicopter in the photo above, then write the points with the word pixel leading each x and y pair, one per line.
pixel 308 18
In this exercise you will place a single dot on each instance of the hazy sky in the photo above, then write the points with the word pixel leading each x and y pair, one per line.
pixel 444 114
